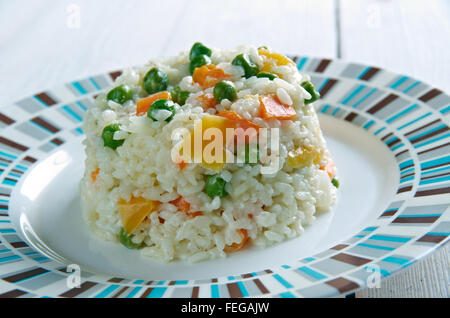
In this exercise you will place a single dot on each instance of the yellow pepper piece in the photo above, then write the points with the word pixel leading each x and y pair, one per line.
pixel 211 145
pixel 270 58
pixel 135 211
pixel 303 156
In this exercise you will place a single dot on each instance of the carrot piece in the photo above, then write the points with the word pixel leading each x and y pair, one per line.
pixel 182 165
pixel 143 105
pixel 237 246
pixel 208 75
pixel 94 174
pixel 271 107
pixel 329 168
pixel 238 120
pixel 184 206
pixel 207 101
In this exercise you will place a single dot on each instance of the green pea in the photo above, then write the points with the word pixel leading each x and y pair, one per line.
pixel 215 186
pixel 120 94
pixel 224 90
pixel 179 96
pixel 270 76
pixel 335 182
pixel 315 95
pixel 199 61
pixel 125 240
pixel 243 60
pixel 155 81
pixel 108 136
pixel 161 104
pixel 199 49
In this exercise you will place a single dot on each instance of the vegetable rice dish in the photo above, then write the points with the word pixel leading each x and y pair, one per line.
pixel 204 154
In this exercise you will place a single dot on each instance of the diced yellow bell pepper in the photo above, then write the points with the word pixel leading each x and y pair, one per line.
pixel 303 156
pixel 270 58
pixel 207 122
pixel 135 211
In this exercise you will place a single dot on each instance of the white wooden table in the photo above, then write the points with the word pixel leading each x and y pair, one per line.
pixel 45 43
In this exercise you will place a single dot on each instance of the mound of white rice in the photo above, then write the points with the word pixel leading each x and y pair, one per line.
pixel 136 194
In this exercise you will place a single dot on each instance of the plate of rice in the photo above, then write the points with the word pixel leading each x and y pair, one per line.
pixel 222 173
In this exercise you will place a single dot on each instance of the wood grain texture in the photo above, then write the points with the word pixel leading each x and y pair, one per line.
pixel 40 49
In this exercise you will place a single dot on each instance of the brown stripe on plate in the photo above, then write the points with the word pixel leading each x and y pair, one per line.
pixel 77 291
pixel 13 144
pixel 5 160
pixel 214 280
pixel 401 153
pixel 435 176
pixel 260 286
pixel 432 238
pixel 115 280
pixel 387 136
pixel 330 83
pixel 30 159
pixel 418 219
pixel 384 102
pixel 431 134
pixel 351 116
pixel 18 244
pixel 146 293
pixel 57 141
pixel 6 120
pixel 195 292
pixel 430 94
pixel 43 123
pixel 150 282
pixel 322 65
pixel 408 175
pixel 234 290
pixel 268 271
pixel 393 142
pixel 246 275
pixel 404 189
pixel 432 192
pixel 342 284
pixel 25 275
pixel 120 292
pixel 389 213
pixel 421 127
pixel 351 259
pixel 115 75
pixel 410 165
pixel 370 73
pixel 434 148
pixel 4 207
pixel 46 99
pixel 13 294
pixel 339 247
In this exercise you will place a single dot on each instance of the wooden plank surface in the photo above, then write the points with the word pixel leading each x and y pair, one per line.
pixel 49 42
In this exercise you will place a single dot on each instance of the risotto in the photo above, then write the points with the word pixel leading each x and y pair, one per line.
pixel 204 154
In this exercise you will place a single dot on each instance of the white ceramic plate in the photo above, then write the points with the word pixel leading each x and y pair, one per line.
pixel 388 135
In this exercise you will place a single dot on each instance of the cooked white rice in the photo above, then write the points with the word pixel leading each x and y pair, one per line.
pixel 271 208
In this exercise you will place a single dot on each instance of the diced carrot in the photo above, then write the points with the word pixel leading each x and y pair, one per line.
pixel 271 107
pixel 143 105
pixel 184 206
pixel 237 246
pixel 182 165
pixel 239 121
pixel 208 75
pixel 135 211
pixel 207 101
pixel 94 174
pixel 329 168
pixel 194 214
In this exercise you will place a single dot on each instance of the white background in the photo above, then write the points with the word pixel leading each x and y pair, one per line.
pixel 48 42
